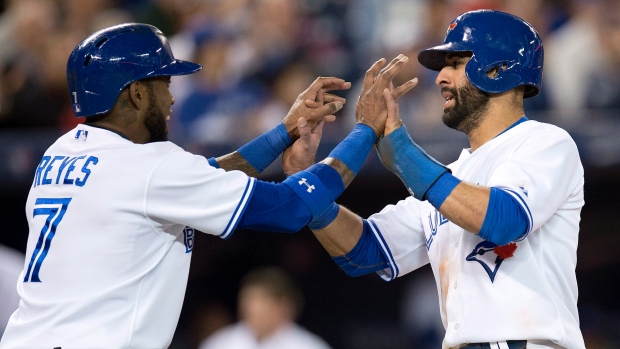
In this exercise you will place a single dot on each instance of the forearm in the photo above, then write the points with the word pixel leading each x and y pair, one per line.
pixel 341 236
pixel 496 215
pixel 466 206
pixel 234 161
pixel 253 157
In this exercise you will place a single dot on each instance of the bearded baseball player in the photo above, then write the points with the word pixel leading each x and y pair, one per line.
pixel 114 207
pixel 500 225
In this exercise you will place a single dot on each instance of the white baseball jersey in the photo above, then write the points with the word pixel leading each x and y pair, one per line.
pixel 525 290
pixel 110 242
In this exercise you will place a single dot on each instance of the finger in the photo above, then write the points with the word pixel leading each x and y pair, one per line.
pixel 317 131
pixel 329 108
pixel 404 88
pixel 393 117
pixel 345 86
pixel 387 74
pixel 329 118
pixel 319 96
pixel 321 83
pixel 328 97
pixel 304 129
pixel 369 77
pixel 311 103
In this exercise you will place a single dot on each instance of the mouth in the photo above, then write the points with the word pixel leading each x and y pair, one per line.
pixel 449 98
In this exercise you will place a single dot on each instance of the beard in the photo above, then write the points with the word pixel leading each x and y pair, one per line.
pixel 155 120
pixel 469 106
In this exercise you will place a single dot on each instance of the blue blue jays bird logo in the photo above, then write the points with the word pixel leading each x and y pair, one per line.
pixel 490 256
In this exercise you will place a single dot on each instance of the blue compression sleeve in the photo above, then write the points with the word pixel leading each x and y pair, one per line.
pixel 505 221
pixel 418 170
pixel 274 207
pixel 330 178
pixel 264 149
pixel 366 257
pixel 441 189
pixel 354 149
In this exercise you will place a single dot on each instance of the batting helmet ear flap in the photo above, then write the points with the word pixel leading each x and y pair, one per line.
pixel 495 77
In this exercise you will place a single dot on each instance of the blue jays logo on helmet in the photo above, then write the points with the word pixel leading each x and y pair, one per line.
pixel 104 63
pixel 496 40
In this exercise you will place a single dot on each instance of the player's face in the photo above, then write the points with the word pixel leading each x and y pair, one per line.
pixel 465 104
pixel 158 112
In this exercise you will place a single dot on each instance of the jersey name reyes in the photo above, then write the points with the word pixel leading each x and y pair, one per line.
pixel 64 170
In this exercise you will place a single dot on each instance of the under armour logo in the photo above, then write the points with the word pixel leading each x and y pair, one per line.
pixel 304 182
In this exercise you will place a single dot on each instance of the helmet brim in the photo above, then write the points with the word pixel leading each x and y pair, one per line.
pixel 178 67
pixel 434 58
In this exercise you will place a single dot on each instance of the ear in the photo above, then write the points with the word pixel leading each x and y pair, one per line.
pixel 137 94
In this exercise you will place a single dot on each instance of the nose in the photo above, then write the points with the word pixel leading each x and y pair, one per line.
pixel 443 78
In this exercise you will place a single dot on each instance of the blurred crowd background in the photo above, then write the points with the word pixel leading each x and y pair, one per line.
pixel 258 55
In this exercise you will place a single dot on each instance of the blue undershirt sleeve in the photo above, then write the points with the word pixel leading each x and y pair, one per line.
pixel 505 220
pixel 366 257
pixel 276 208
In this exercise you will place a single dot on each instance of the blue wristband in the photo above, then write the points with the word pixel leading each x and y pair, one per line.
pixel 213 162
pixel 418 170
pixel 354 149
pixel 264 149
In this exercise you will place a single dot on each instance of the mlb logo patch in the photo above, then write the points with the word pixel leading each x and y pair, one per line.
pixel 81 135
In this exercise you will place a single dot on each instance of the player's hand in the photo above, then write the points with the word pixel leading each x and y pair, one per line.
pixel 393 120
pixel 315 104
pixel 302 153
pixel 371 107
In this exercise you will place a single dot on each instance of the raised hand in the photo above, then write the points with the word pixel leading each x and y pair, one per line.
pixel 315 104
pixel 302 153
pixel 371 108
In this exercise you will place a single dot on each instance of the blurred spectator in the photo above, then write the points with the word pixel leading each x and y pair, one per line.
pixel 269 303
pixel 11 265
pixel 37 37
pixel 603 90
pixel 28 99
pixel 573 55
pixel 217 103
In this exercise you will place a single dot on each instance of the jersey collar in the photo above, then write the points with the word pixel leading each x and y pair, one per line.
pixel 523 119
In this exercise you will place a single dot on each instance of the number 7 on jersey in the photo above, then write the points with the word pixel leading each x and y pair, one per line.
pixel 54 209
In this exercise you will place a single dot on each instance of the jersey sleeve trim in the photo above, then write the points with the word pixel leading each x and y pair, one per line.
pixel 243 203
pixel 526 208
pixel 386 251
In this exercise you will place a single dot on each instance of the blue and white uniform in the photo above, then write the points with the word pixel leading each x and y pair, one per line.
pixel 109 249
pixel 526 290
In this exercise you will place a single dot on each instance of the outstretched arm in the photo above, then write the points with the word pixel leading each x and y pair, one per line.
pixel 307 197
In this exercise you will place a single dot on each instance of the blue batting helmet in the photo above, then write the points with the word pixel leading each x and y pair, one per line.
pixel 495 40
pixel 104 63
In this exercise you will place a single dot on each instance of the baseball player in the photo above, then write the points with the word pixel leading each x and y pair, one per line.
pixel 114 208
pixel 500 225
